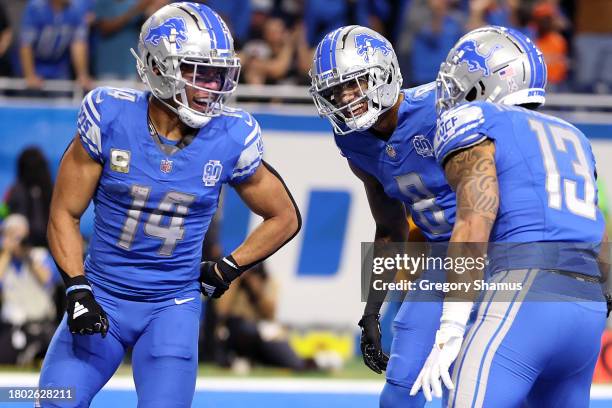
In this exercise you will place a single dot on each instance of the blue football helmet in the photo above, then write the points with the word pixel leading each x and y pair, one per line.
pixel 495 64
pixel 187 37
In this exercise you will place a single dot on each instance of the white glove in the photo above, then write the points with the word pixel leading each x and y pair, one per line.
pixel 437 366
pixel 444 352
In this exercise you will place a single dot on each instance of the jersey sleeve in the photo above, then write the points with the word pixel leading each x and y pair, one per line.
pixel 29 28
pixel 90 125
pixel 251 153
pixel 458 129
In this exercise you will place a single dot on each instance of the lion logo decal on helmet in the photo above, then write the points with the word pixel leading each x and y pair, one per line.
pixel 367 46
pixel 174 29
pixel 468 52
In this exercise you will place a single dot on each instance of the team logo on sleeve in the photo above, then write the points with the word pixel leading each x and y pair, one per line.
pixel 120 160
pixel 212 172
pixel 166 166
pixel 367 46
pixel 468 53
pixel 173 29
pixel 422 146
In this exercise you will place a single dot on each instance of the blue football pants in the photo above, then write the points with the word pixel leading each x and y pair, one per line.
pixel 530 350
pixel 164 337
pixel 414 332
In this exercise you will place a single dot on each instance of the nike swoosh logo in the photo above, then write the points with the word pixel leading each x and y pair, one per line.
pixel 181 301
pixel 99 98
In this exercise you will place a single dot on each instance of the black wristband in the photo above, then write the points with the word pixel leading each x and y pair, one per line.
pixel 229 268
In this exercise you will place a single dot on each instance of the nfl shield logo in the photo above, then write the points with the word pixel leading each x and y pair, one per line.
pixel 166 166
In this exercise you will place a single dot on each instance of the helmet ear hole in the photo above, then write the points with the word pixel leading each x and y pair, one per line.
pixel 152 63
pixel 471 95
pixel 155 68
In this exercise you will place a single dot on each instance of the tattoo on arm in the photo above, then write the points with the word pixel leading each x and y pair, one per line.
pixel 473 176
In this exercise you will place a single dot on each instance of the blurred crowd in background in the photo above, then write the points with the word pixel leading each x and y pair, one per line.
pixel 91 39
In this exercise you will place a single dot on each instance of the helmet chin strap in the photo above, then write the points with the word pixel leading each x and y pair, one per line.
pixel 365 121
pixel 192 119
pixel 362 123
pixel 187 116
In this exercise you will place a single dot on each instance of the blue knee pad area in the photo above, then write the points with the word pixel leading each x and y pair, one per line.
pixel 396 396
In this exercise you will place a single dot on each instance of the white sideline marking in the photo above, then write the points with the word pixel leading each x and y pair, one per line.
pixel 281 385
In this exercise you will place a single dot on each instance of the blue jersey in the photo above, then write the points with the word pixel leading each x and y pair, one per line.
pixel 546 175
pixel 154 201
pixel 405 164
pixel 50 34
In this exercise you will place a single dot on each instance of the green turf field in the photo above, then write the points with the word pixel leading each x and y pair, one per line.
pixel 353 369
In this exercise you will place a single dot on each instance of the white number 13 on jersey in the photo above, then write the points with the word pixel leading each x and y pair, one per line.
pixel 561 137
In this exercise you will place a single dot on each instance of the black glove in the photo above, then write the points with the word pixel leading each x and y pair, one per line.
pixel 213 285
pixel 85 315
pixel 609 303
pixel 373 355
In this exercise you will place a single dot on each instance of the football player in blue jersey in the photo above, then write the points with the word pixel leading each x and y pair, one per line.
pixel 154 163
pixel 520 177
pixel 386 134
pixel 53 34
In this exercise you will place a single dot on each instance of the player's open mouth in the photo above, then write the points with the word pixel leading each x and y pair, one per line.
pixel 200 103
pixel 358 109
